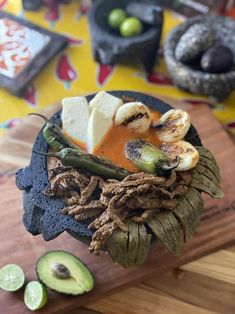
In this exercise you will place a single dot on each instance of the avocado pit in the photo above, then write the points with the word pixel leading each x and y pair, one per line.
pixel 60 271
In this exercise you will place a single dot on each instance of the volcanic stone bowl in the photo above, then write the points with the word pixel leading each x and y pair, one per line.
pixel 195 81
pixel 42 215
pixel 109 47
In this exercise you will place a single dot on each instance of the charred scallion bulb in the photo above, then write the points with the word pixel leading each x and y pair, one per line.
pixel 173 125
pixel 186 152
pixel 135 116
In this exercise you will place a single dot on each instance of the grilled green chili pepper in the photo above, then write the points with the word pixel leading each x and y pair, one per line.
pixel 54 136
pixel 88 162
pixel 148 158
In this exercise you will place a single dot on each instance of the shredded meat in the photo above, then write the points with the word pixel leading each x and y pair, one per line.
pixel 147 214
pixel 147 179
pixel 87 192
pixel 143 188
pixel 100 221
pixel 169 204
pixel 114 212
pixel 185 177
pixel 101 236
pixel 108 203
pixel 58 180
pixel 73 200
pixel 171 180
pixel 78 209
pixel 54 172
pixel 55 167
pixel 162 192
pixel 179 190
pixel 87 215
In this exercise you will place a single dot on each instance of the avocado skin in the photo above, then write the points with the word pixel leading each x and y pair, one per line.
pixel 55 290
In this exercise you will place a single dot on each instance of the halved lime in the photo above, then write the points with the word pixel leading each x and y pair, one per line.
pixel 12 277
pixel 35 295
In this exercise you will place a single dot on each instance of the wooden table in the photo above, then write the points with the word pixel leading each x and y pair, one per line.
pixel 206 285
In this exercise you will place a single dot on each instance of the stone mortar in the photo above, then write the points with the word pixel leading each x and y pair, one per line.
pixel 198 82
pixel 110 48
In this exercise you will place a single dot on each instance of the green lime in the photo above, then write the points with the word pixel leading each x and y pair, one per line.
pixel 116 17
pixel 131 27
pixel 35 295
pixel 12 277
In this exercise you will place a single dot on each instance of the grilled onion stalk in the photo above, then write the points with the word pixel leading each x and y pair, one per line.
pixel 89 163
pixel 149 158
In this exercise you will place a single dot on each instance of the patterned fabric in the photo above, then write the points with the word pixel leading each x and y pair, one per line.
pixel 74 72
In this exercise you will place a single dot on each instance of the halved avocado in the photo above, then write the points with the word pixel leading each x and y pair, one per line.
pixel 63 272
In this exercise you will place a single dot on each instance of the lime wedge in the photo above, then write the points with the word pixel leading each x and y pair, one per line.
pixel 11 277
pixel 35 295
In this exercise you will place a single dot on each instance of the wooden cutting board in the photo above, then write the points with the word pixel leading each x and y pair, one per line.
pixel 216 230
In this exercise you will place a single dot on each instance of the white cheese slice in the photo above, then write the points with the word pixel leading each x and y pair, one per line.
pixel 106 103
pixel 75 115
pixel 98 126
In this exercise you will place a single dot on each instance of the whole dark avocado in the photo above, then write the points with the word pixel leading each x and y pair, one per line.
pixel 217 59
pixel 63 272
pixel 194 42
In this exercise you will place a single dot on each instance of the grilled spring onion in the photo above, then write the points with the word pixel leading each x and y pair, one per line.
pixel 88 162
pixel 173 125
pixel 135 116
pixel 186 152
pixel 148 158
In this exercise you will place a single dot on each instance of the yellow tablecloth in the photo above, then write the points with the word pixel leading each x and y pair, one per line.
pixel 74 72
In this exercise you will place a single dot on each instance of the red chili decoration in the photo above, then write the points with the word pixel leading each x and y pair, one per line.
pixel 231 125
pixel 53 14
pixel 65 71
pixel 9 124
pixel 30 95
pixel 197 102
pixel 74 41
pixel 14 122
pixel 104 72
pixel 84 9
pixel 159 79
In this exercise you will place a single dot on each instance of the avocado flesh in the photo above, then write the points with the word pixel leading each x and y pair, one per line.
pixel 81 280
